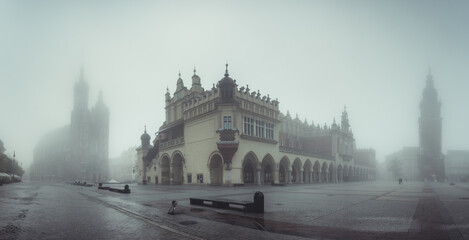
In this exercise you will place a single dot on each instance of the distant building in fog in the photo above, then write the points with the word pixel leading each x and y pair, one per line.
pixel 228 135
pixel 431 162
pixel 405 162
pixel 457 165
pixel 78 151
pixel 124 167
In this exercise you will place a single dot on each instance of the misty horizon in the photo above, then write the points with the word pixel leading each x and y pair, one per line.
pixel 315 58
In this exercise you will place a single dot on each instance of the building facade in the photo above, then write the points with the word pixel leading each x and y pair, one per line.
pixel 431 163
pixel 404 164
pixel 457 165
pixel 230 135
pixel 124 167
pixel 78 151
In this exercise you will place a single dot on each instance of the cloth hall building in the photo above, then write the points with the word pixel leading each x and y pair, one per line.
pixel 230 135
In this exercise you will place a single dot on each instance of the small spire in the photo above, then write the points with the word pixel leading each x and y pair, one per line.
pixel 226 71
pixel 145 128
pixel 194 70
pixel 167 89
pixel 179 74
pixel 82 72
pixel 430 76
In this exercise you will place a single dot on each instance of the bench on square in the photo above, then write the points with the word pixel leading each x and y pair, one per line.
pixel 222 203
pixel 247 206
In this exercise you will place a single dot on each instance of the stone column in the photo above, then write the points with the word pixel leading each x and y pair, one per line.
pixel 311 176
pixel 319 176
pixel 334 175
pixel 327 176
pixel 228 173
pixel 275 175
pixel 301 176
pixel 289 176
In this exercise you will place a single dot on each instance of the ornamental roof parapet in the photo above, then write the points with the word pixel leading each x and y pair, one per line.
pixel 244 93
pixel 193 101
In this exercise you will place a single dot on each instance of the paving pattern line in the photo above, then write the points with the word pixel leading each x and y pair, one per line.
pixel 141 218
pixel 360 202
pixel 451 227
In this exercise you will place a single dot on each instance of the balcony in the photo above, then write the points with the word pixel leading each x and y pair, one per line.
pixel 172 143
pixel 227 144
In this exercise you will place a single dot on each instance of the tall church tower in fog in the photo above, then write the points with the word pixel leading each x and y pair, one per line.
pixel 431 162
pixel 79 151
pixel 89 136
pixel 79 129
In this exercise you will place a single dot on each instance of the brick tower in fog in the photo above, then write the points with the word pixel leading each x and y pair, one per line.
pixel 431 164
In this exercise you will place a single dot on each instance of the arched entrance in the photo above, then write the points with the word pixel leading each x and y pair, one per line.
pixel 296 171
pixel 330 173
pixel 267 170
pixel 250 169
pixel 324 172
pixel 283 174
pixel 248 173
pixel 339 173
pixel 350 173
pixel 216 170
pixel 177 177
pixel 165 170
pixel 345 177
pixel 316 172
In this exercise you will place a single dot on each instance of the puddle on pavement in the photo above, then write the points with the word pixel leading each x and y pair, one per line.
pixel 10 229
pixel 187 223
pixel 196 210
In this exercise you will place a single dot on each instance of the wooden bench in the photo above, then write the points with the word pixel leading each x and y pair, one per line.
pixel 223 203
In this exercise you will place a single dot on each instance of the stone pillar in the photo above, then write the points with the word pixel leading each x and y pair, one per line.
pixel 327 176
pixel 320 177
pixel 275 175
pixel 311 176
pixel 289 177
pixel 334 176
pixel 258 180
pixel 171 179
pixel 301 176
pixel 228 173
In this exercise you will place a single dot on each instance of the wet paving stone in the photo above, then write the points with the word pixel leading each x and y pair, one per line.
pixel 360 210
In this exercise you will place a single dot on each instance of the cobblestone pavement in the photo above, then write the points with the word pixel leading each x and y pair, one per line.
pixel 358 210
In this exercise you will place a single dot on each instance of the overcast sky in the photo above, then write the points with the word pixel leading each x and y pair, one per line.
pixel 314 56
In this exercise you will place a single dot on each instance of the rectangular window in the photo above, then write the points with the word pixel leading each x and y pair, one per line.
pixel 227 124
pixel 258 128
pixel 269 131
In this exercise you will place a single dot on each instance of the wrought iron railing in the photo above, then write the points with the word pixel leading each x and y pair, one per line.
pixel 172 143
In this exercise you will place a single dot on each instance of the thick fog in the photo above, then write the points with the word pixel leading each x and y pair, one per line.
pixel 314 56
